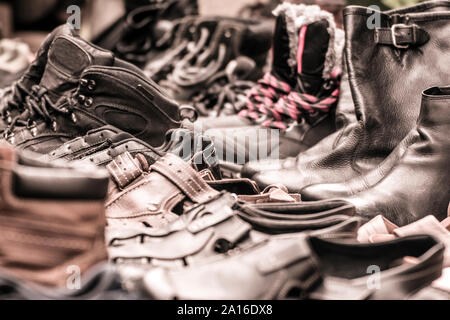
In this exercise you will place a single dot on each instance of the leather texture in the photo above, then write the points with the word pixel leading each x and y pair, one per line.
pixel 100 146
pixel 347 268
pixel 221 224
pixel 151 199
pixel 79 79
pixel 42 236
pixel 417 184
pixel 304 267
pixel 386 109
pixel 433 102
pixel 14 96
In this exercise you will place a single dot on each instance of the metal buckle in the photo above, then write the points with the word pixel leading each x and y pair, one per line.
pixel 394 36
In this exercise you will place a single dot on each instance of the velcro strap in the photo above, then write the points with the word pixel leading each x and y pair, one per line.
pixel 124 169
pixel 184 177
pixel 401 36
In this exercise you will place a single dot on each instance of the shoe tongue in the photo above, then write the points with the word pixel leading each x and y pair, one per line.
pixel 312 48
pixel 67 59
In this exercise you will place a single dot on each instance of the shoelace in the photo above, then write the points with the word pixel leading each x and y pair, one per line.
pixel 209 60
pixel 39 107
pixel 194 50
pixel 12 98
pixel 261 98
pixel 290 106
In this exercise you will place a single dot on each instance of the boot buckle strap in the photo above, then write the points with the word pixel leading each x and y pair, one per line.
pixel 394 28
pixel 401 36
pixel 124 170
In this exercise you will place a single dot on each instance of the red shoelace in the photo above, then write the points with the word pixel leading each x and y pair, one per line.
pixel 276 101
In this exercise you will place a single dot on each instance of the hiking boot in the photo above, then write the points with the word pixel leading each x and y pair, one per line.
pixel 13 97
pixel 84 88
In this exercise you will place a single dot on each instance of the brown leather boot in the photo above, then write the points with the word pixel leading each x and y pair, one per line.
pixel 51 219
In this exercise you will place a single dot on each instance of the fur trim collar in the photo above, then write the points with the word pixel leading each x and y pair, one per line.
pixel 299 15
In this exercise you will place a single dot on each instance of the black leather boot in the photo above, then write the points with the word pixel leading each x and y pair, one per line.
pixel 375 176
pixel 417 185
pixel 12 98
pixel 83 88
pixel 379 66
pixel 297 99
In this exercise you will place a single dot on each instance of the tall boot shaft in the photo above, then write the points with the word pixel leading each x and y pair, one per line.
pixel 391 64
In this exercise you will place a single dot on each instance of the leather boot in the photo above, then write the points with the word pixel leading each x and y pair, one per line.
pixel 52 218
pixel 416 185
pixel 13 97
pixel 85 87
pixel 314 53
pixel 372 178
pixel 386 109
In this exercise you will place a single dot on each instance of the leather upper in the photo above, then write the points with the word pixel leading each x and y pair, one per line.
pixel 48 225
pixel 386 109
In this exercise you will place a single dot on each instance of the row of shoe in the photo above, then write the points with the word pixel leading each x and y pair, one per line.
pixel 173 230
pixel 390 153
pixel 162 212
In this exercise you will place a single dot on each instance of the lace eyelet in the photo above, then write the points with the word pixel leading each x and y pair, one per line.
pixel 92 85
pixel 84 82
pixel 88 102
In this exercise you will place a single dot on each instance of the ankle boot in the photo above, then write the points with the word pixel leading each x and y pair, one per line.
pixel 52 219
pixel 299 109
pixel 417 185
pixel 386 109
pixel 12 98
pixel 83 88
pixel 371 178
